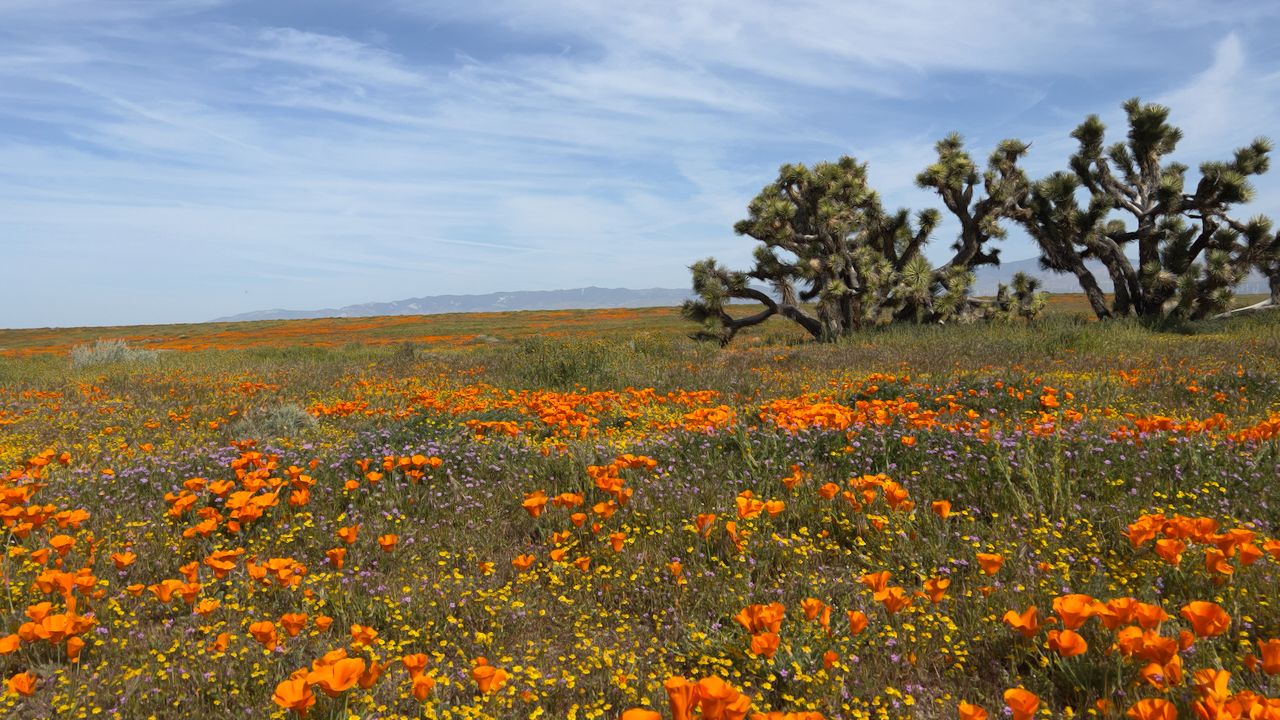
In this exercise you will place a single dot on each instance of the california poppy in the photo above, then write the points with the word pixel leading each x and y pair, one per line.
pixel 990 562
pixel 1207 619
pixel 1027 623
pixel 294 694
pixel 23 683
pixel 1023 703
pixel 1270 651
pixel 1067 643
pixel 857 622
pixel 1152 709
pixel 488 678
pixel 969 711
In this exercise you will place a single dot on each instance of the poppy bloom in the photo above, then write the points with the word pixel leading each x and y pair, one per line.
pixel 1073 610
pixel 875 581
pixel 894 599
pixel 1207 619
pixel 641 714
pixel 941 508
pixel 388 542
pixel 1067 643
pixel 488 678
pixel 1027 623
pixel 414 664
pixel 857 622
pixel 1270 651
pixel 765 644
pixel 323 622
pixel 616 540
pixel 9 644
pixel 265 633
pixel 348 534
pixel 293 623
pixel 123 560
pixel 1152 709
pixel 969 711
pixel 990 562
pixel 422 687
pixel 338 677
pixel 936 589
pixel 682 696
pixel 523 562
pixel 720 701
pixel 337 557
pixel 23 683
pixel 363 635
pixel 534 503
pixel 1023 703
pixel 294 694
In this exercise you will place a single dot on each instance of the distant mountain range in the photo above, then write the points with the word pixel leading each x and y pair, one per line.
pixel 988 278
pixel 576 299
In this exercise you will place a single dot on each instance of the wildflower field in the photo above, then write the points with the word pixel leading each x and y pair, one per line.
pixel 533 518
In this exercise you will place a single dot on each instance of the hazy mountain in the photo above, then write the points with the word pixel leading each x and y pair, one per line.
pixel 595 297
pixel 579 298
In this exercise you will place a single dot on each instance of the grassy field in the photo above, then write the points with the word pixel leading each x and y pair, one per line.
pixel 584 514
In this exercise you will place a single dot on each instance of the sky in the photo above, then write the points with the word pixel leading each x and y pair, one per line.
pixel 180 160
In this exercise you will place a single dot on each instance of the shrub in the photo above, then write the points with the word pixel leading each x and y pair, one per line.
pixel 276 421
pixel 107 352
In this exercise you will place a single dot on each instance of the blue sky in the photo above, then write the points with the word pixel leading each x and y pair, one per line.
pixel 179 160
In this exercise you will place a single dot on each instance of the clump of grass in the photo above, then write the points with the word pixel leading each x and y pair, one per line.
pixel 284 420
pixel 109 352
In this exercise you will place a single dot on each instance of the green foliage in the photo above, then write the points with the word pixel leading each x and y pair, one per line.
pixel 1191 251
pixel 109 352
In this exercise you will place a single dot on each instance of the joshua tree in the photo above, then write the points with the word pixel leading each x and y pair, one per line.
pixel 1172 230
pixel 834 261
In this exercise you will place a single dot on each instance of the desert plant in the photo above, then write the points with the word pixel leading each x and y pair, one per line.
pixel 283 420
pixel 834 261
pixel 107 352
pixel 1191 251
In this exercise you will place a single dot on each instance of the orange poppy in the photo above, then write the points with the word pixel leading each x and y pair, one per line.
pixel 765 644
pixel 293 623
pixel 640 714
pixel 1067 643
pixel 936 589
pixel 338 677
pixel 894 599
pixel 9 644
pixel 123 560
pixel 875 581
pixel 523 562
pixel 1207 619
pixel 388 542
pixel 294 694
pixel 990 562
pixel 363 635
pixel 415 664
pixel 857 622
pixel 941 508
pixel 1270 651
pixel 488 678
pixel 534 503
pixel 1027 623
pixel 682 697
pixel 969 711
pixel 1152 709
pixel 265 633
pixel 1074 609
pixel 23 683
pixel 1023 703
pixel 422 687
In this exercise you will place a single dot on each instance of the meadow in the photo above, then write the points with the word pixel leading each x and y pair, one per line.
pixel 585 514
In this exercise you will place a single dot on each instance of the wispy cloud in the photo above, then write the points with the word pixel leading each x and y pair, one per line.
pixel 190 159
